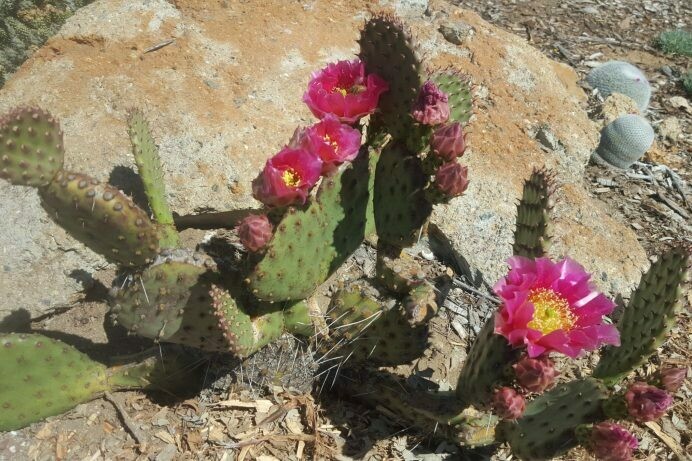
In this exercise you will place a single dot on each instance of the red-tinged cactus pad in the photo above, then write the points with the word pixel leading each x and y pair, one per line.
pixel 43 377
pixel 399 274
pixel 388 50
pixel 648 316
pixel 31 147
pixel 548 425
pixel 309 244
pixel 101 217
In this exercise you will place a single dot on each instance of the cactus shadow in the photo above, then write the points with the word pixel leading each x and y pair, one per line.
pixel 128 181
pixel 347 405
pixel 18 321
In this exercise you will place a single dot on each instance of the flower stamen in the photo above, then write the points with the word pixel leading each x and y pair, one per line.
pixel 551 311
pixel 291 178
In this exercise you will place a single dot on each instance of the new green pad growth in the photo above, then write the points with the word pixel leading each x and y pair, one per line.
pixel 648 316
pixel 532 232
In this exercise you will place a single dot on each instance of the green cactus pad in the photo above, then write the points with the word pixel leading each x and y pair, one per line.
pixel 648 316
pixel 43 377
pixel 486 366
pixel 150 170
pixel 532 232
pixel 101 217
pixel 388 50
pixel 548 425
pixel 436 415
pixel 246 333
pixel 458 89
pixel 401 207
pixel 308 245
pixel 31 147
pixel 365 329
pixel 169 295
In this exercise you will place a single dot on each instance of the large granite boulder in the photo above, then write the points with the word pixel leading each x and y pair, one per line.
pixel 226 94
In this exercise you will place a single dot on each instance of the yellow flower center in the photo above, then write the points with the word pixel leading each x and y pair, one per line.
pixel 290 177
pixel 331 142
pixel 355 89
pixel 551 311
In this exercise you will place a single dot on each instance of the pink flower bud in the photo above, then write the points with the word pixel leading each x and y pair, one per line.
pixel 255 231
pixel 333 142
pixel 432 106
pixel 343 89
pixel 451 179
pixel 508 403
pixel 611 442
pixel 535 375
pixel 672 378
pixel 449 142
pixel 646 402
pixel 287 177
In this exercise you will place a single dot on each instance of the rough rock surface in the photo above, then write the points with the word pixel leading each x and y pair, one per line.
pixel 226 94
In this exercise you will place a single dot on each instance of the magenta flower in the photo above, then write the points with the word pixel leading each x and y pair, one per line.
pixel 672 378
pixel 344 90
pixel 535 375
pixel 449 142
pixel 432 106
pixel 612 442
pixel 287 177
pixel 332 141
pixel 255 231
pixel 508 403
pixel 551 306
pixel 646 402
pixel 452 179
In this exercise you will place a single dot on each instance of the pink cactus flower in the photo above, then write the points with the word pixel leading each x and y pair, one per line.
pixel 343 89
pixel 452 179
pixel 432 105
pixel 535 375
pixel 508 403
pixel 332 141
pixel 672 378
pixel 449 142
pixel 287 177
pixel 646 402
pixel 551 306
pixel 255 231
pixel 612 442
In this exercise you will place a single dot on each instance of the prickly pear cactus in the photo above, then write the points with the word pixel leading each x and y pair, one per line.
pixel 624 141
pixel 401 207
pixel 388 50
pixel 366 329
pixel 309 244
pixel 487 365
pixel 458 88
pixel 548 425
pixel 532 234
pixel 101 217
pixel 648 316
pixel 621 77
pixel 31 147
pixel 149 167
